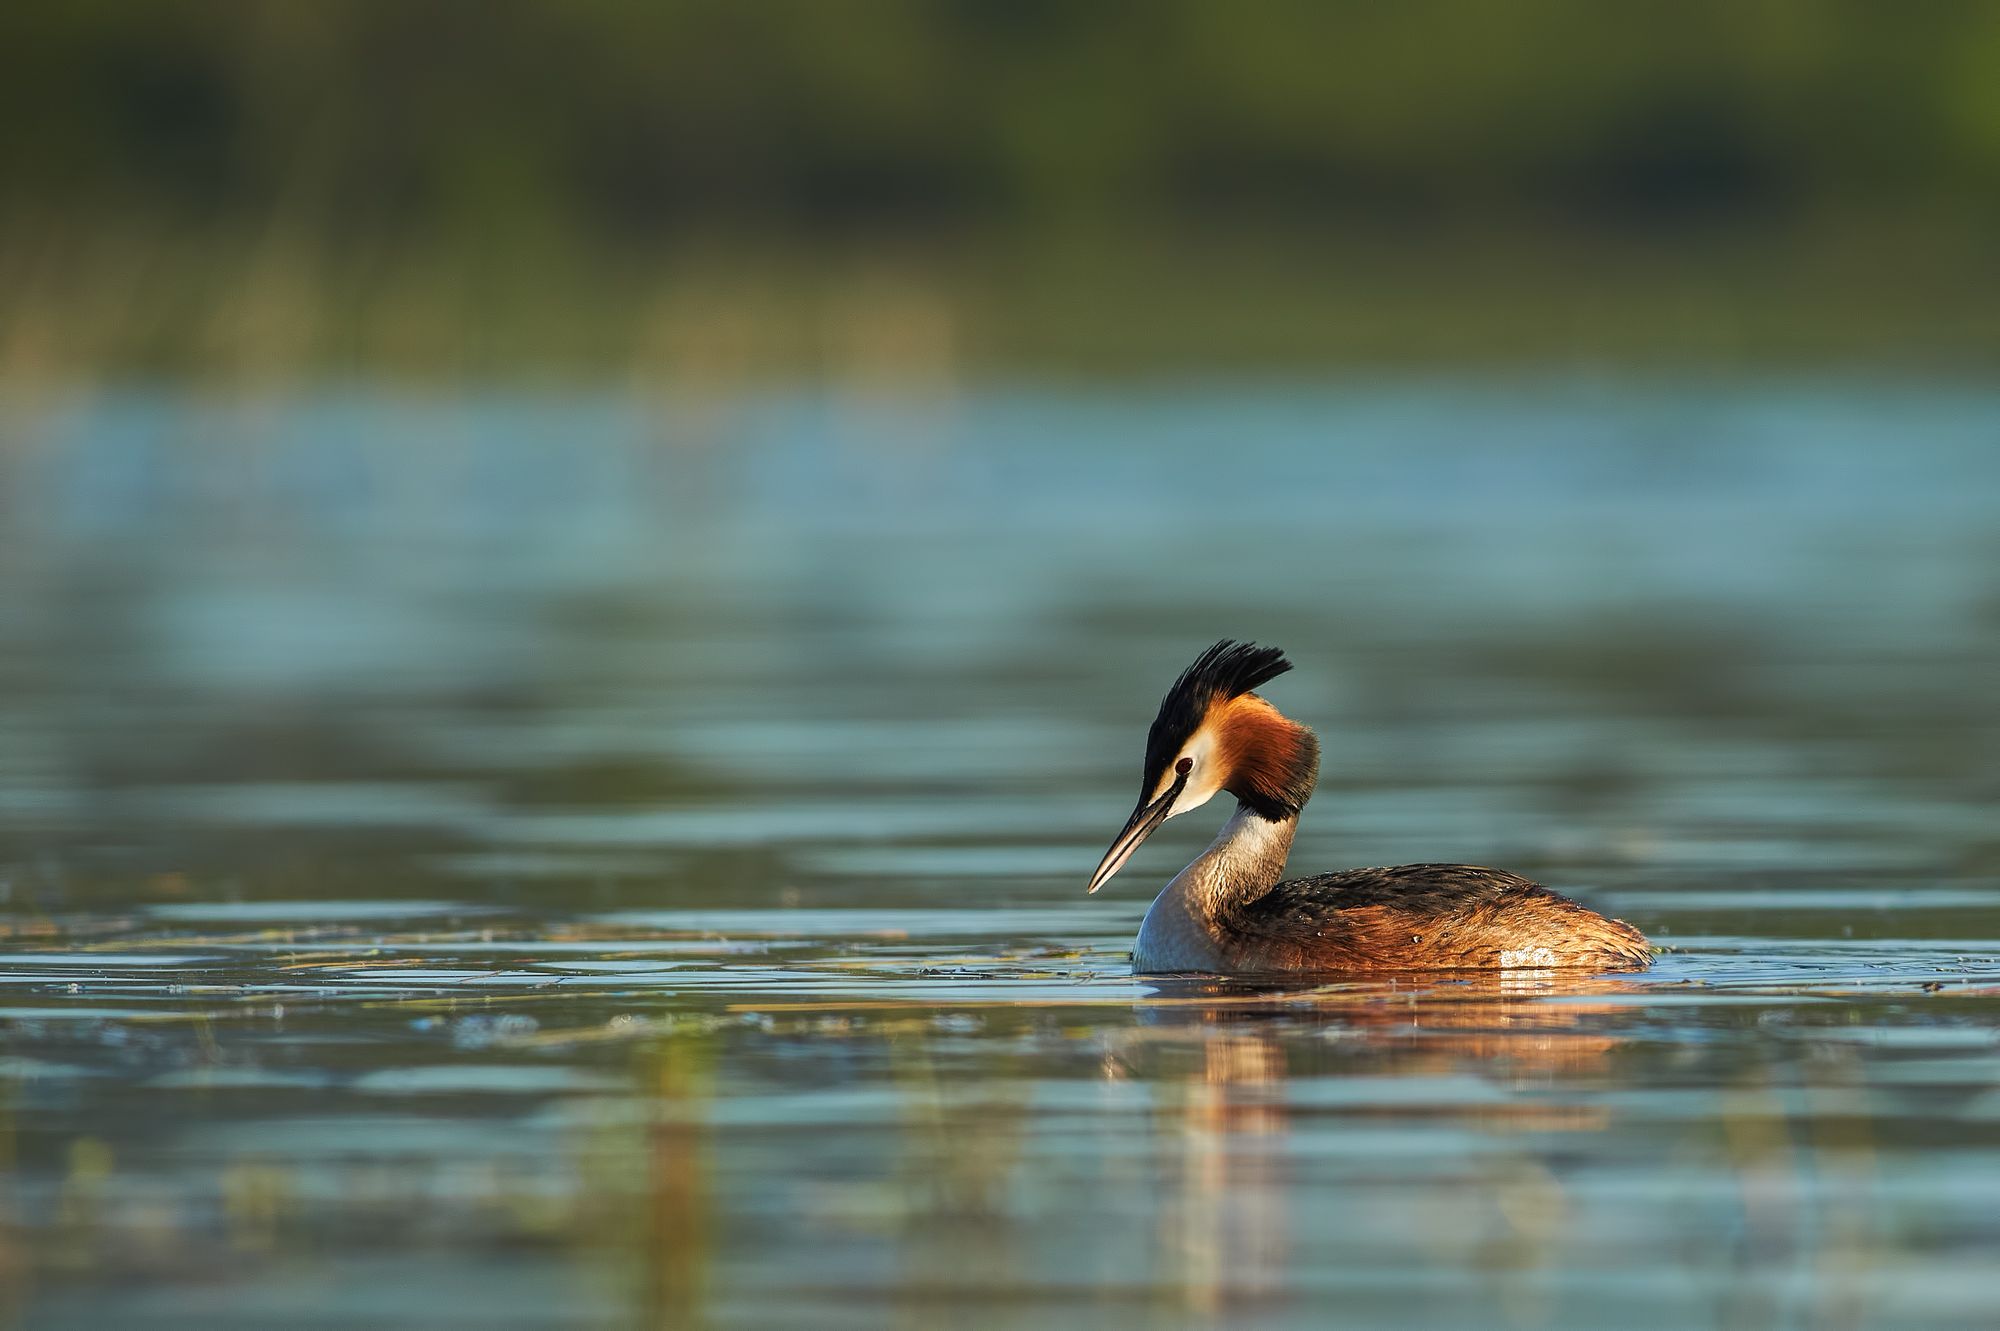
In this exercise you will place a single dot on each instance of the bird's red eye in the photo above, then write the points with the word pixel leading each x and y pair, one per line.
pixel 1184 766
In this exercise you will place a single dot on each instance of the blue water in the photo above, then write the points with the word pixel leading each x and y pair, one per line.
pixel 600 861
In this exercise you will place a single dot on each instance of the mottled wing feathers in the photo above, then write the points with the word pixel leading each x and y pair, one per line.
pixel 1425 917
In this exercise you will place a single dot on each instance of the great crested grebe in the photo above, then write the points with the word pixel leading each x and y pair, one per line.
pixel 1227 913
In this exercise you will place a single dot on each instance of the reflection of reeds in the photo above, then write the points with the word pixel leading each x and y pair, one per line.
pixel 1803 1163
pixel 679 1209
pixel 14 1254
pixel 956 1165
pixel 1844 1164
pixel 81 1205
pixel 648 1207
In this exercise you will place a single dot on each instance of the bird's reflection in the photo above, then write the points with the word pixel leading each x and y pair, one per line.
pixel 1224 1056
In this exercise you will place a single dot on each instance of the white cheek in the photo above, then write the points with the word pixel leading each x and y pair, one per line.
pixel 1192 798
pixel 1201 786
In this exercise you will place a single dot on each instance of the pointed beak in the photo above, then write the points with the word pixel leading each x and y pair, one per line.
pixel 1137 828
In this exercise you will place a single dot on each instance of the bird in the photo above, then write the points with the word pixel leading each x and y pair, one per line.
pixel 1231 912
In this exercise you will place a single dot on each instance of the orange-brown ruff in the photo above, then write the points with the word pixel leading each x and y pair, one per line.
pixel 1229 913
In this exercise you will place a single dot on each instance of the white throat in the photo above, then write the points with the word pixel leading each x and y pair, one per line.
pixel 1243 862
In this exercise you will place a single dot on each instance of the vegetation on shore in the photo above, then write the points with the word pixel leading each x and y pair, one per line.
pixel 702 188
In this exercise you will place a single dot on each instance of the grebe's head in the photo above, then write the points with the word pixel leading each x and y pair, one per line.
pixel 1214 734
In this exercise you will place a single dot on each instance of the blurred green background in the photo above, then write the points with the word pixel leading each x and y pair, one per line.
pixel 899 189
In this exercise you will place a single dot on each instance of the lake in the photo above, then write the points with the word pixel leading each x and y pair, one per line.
pixel 542 859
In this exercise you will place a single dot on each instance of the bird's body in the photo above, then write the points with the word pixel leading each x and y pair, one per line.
pixel 1230 912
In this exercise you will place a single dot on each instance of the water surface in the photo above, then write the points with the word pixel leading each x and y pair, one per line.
pixel 535 861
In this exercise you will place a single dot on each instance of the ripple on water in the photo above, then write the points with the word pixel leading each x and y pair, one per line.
pixel 955 863
pixel 987 923
pixel 728 809
pixel 109 960
pixel 1885 898
pixel 484 1079
pixel 777 821
pixel 311 912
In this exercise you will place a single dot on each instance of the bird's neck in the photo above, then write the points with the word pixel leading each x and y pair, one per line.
pixel 1245 860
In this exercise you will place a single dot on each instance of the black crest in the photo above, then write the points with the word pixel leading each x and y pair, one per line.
pixel 1223 671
